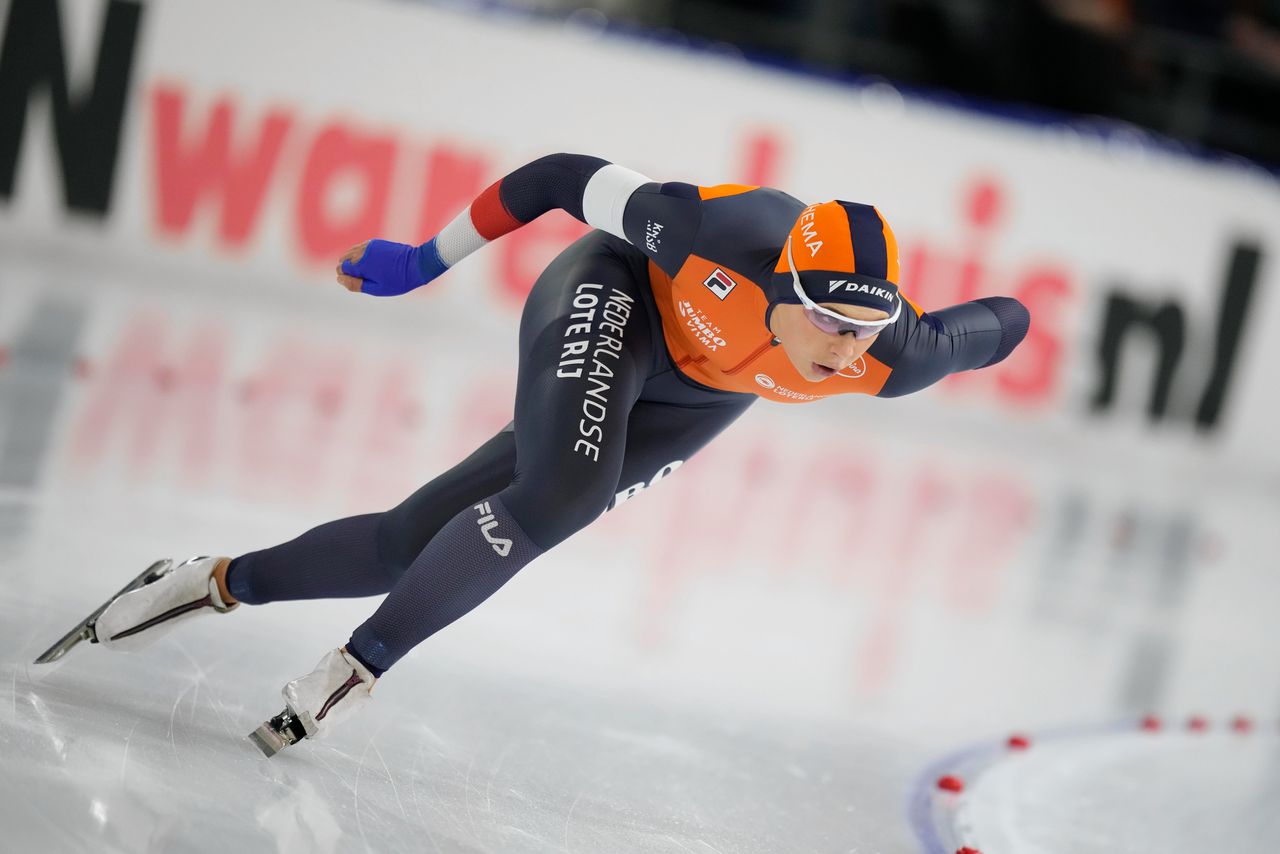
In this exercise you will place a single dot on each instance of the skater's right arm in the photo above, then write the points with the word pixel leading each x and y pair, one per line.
pixel 659 219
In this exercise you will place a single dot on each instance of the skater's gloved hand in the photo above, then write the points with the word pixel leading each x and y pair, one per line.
pixel 386 269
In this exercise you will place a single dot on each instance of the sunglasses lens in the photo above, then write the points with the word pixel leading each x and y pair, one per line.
pixel 835 326
pixel 825 322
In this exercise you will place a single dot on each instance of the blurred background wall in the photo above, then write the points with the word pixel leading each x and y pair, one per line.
pixel 1088 530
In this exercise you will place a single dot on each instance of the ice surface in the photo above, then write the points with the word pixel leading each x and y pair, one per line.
pixel 146 752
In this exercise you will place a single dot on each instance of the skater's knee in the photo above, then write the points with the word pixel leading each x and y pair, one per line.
pixel 548 516
pixel 396 545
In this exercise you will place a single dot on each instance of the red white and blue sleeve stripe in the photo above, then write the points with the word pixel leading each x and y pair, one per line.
pixel 593 190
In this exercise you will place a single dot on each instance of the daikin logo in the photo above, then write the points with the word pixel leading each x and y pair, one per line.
pixel 856 287
pixel 487 523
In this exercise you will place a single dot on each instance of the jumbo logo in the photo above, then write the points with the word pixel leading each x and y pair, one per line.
pixel 707 333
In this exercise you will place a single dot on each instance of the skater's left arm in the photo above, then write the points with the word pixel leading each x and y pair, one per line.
pixel 660 219
pixel 921 349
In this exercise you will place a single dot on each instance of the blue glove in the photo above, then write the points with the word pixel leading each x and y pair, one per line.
pixel 389 269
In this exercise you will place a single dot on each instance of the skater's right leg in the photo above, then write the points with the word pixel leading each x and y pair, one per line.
pixel 587 344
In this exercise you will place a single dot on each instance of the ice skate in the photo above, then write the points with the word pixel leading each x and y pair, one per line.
pixel 148 607
pixel 337 689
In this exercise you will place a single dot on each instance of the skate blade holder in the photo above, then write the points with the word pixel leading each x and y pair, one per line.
pixel 278 733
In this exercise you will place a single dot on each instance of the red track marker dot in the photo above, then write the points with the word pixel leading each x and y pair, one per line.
pixel 1151 723
pixel 968 850
pixel 1197 724
pixel 1019 742
pixel 1241 724
pixel 951 783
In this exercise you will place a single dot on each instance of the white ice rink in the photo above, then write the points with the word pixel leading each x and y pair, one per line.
pixel 631 691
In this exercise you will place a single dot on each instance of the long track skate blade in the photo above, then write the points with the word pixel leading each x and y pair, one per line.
pixel 64 644
pixel 84 630
pixel 268 740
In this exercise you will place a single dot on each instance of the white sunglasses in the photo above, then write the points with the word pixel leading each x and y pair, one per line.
pixel 833 322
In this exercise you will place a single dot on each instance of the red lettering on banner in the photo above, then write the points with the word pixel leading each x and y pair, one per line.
pixel 484 408
pixel 453 180
pixel 885 534
pixel 934 278
pixel 193 167
pixel 995 516
pixel 345 189
pixel 161 407
pixel 847 522
pixel 388 438
pixel 762 154
pixel 1031 373
pixel 141 398
pixel 524 253
pixel 291 417
pixel 985 202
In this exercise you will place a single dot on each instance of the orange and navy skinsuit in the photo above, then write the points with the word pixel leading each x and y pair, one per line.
pixel 638 345
pixel 716 284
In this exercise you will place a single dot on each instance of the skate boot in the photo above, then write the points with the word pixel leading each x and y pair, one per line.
pixel 148 607
pixel 337 689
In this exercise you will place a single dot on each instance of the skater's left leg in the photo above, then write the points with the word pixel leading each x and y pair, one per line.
pixel 365 555
pixel 588 302
pixel 358 556
pixel 143 615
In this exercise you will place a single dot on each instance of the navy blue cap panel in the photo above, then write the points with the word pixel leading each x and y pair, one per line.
pixel 867 231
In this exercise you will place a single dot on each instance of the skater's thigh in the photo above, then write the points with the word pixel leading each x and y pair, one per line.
pixel 661 437
pixel 586 347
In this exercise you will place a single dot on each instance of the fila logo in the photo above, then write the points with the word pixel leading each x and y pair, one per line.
pixel 719 283
pixel 487 523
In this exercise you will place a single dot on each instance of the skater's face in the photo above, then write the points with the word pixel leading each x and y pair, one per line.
pixel 816 354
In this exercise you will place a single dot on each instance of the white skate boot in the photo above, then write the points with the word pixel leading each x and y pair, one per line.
pixel 148 607
pixel 337 689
